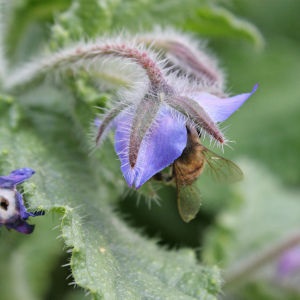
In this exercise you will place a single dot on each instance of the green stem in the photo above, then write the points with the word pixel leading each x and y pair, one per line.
pixel 79 56
pixel 248 266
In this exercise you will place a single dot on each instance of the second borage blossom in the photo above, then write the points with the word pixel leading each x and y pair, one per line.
pixel 150 132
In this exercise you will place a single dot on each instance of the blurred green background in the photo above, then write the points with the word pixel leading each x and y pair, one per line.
pixel 235 222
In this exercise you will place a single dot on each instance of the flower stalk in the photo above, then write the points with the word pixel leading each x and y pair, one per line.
pixel 79 56
pixel 185 55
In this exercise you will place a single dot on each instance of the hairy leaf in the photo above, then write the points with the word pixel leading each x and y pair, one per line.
pixel 29 260
pixel 217 21
pixel 266 214
pixel 109 259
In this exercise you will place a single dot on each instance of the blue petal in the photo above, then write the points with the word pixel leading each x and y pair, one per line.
pixel 15 177
pixel 21 226
pixel 15 215
pixel 24 214
pixel 21 208
pixel 219 109
pixel 163 143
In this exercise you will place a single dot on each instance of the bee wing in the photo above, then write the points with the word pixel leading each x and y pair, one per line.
pixel 188 201
pixel 188 195
pixel 222 169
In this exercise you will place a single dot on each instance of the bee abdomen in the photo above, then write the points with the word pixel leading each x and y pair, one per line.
pixel 187 174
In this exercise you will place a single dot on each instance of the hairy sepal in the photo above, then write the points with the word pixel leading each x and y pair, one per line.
pixel 196 115
pixel 144 116
pixel 107 119
pixel 187 55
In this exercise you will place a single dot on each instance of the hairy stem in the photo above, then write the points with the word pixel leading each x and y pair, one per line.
pixel 77 56
pixel 188 58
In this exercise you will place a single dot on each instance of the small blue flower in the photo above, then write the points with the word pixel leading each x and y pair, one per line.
pixel 13 213
pixel 150 136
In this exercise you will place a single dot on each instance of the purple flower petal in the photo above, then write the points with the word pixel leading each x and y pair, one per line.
pixel 24 214
pixel 13 213
pixel 219 109
pixel 21 226
pixel 15 177
pixel 163 143
pixel 289 262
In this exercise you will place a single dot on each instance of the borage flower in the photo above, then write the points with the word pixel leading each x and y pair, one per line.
pixel 13 213
pixel 152 135
pixel 150 119
pixel 150 127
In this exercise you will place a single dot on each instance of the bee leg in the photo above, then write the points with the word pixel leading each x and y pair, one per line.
pixel 163 177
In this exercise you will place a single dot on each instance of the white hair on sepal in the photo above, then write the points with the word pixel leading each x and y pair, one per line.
pixel 213 143
pixel 152 51
pixel 200 130
pixel 224 129
pixel 116 72
pixel 180 83
pixel 178 116
pixel 111 125
pixel 203 134
pixel 183 86
pixel 128 111
pixel 125 107
pixel 134 95
pixel 92 146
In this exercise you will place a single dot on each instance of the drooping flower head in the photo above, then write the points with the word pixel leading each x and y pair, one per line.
pixel 150 132
pixel 186 55
pixel 143 152
pixel 13 214
pixel 182 87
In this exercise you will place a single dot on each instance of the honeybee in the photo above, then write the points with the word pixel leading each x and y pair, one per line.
pixel 190 165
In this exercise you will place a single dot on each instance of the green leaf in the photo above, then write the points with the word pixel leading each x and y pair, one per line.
pixel 109 258
pixel 82 20
pixel 266 213
pixel 194 15
pixel 29 260
pixel 25 24
pixel 219 22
